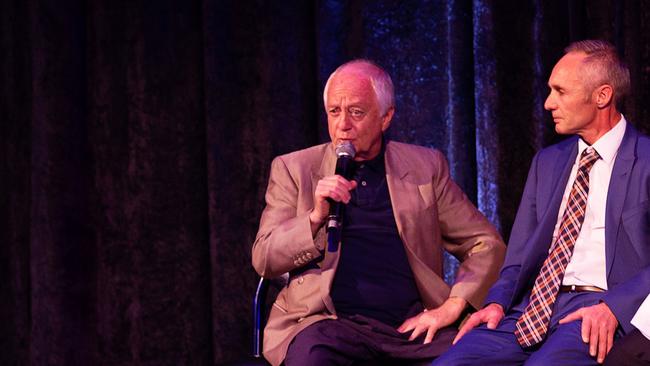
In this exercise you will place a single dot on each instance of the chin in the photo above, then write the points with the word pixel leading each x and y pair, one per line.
pixel 561 130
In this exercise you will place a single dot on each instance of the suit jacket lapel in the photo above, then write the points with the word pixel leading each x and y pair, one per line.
pixel 617 191
pixel 551 185
pixel 396 171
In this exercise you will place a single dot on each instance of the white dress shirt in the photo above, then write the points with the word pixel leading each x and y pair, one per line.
pixel 641 319
pixel 587 264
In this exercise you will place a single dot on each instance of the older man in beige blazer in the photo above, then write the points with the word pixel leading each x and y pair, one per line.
pixel 427 211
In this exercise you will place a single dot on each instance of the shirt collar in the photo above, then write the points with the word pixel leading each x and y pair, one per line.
pixel 607 145
pixel 376 163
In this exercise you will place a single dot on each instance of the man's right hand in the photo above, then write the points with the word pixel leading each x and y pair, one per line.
pixel 491 314
pixel 334 187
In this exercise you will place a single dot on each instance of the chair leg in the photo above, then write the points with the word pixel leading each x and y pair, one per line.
pixel 259 303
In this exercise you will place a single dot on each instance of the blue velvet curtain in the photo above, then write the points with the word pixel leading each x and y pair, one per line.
pixel 136 138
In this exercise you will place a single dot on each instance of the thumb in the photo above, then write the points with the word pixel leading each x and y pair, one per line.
pixel 492 323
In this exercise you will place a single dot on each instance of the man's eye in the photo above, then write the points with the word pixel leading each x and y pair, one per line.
pixel 334 111
pixel 356 112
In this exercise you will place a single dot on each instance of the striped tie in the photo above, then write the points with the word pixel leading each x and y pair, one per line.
pixel 533 323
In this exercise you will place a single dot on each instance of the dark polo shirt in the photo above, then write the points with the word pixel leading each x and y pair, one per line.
pixel 373 277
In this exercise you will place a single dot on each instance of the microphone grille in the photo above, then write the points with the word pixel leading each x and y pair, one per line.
pixel 345 148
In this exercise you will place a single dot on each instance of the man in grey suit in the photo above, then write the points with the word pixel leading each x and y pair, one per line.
pixel 379 292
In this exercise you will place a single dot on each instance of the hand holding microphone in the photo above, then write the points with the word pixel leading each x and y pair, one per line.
pixel 333 191
pixel 345 168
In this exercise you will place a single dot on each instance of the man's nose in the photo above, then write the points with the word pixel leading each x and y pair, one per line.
pixel 344 122
pixel 549 104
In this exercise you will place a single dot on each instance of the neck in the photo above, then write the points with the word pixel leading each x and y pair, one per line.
pixel 605 120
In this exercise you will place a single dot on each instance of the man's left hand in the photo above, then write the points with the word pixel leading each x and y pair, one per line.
pixel 598 328
pixel 434 319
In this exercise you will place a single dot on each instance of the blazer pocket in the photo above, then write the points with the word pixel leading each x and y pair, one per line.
pixel 303 291
pixel 636 223
pixel 426 194
pixel 642 207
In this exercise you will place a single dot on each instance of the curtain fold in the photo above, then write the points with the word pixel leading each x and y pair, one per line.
pixel 136 140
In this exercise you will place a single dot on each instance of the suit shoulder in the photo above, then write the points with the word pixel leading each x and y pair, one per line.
pixel 415 151
pixel 559 147
pixel 643 147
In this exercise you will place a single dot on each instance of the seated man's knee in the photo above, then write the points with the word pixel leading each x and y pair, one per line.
pixel 305 348
pixel 312 355
pixel 323 343
pixel 462 353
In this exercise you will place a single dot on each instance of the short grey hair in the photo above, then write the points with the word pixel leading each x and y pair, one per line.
pixel 603 66
pixel 380 81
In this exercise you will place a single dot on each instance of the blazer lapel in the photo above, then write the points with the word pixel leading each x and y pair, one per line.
pixel 617 191
pixel 397 170
pixel 552 182
pixel 560 178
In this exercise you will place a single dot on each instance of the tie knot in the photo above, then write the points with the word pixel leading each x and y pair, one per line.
pixel 588 158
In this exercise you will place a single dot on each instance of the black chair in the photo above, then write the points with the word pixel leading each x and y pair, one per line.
pixel 261 303
pixel 265 294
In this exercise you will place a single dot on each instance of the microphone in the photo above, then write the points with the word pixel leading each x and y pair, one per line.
pixel 345 168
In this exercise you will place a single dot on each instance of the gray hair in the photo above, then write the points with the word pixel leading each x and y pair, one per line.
pixel 603 66
pixel 380 81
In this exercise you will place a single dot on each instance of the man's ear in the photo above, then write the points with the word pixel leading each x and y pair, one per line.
pixel 604 95
pixel 387 118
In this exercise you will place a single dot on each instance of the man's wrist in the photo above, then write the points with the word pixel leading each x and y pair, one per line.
pixel 315 224
pixel 455 305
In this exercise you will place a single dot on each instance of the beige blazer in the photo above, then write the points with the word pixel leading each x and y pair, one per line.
pixel 432 215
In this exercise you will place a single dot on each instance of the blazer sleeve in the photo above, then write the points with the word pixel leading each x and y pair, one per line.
pixel 629 286
pixel 284 240
pixel 626 298
pixel 525 223
pixel 467 235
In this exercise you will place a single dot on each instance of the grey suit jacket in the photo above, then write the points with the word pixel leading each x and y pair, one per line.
pixel 432 215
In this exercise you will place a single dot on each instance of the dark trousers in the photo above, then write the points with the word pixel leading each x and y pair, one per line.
pixel 631 350
pixel 357 340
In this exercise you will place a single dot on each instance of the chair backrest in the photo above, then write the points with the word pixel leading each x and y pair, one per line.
pixel 260 308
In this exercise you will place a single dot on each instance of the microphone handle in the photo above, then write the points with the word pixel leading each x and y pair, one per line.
pixel 335 217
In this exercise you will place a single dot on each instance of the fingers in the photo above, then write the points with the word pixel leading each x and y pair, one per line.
pixel 610 341
pixel 408 324
pixel 585 331
pixel 463 330
pixel 610 344
pixel 431 332
pixel 493 322
pixel 576 315
pixel 333 187
pixel 602 344
pixel 417 331
pixel 470 324
pixel 336 188
pixel 597 329
pixel 420 324
pixel 491 314
pixel 592 333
